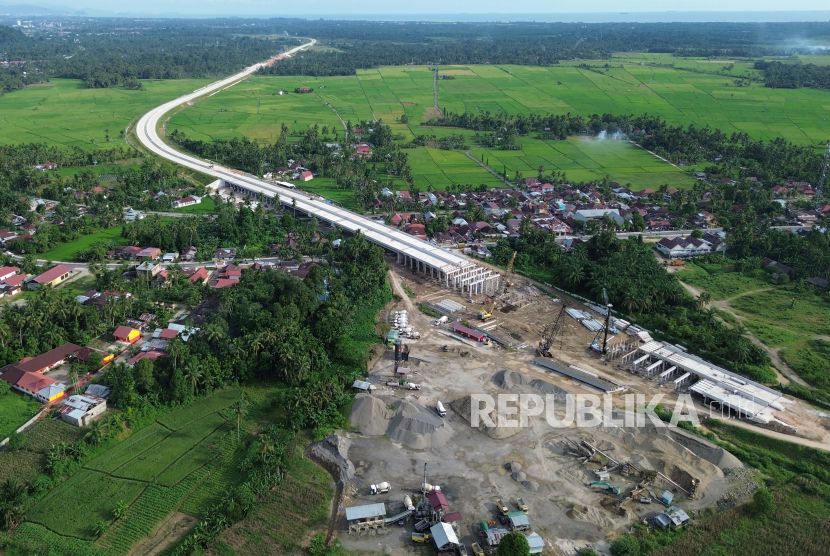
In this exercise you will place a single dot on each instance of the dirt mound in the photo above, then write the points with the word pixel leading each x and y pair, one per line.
pixel 371 414
pixel 507 380
pixel 591 514
pixel 513 466
pixel 418 427
pixel 519 476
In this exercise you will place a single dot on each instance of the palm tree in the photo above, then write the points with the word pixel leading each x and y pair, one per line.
pixel 175 347
pixel 266 448
pixel 96 433
pixel 11 502
pixel 239 410
pixel 193 374
pixel 703 300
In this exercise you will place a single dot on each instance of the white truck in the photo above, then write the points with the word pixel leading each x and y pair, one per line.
pixel 380 488
pixel 440 321
pixel 439 407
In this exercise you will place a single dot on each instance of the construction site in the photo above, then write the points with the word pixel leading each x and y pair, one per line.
pixel 579 487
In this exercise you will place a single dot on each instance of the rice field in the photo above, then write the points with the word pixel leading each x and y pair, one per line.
pixel 65 113
pixel 256 109
pixel 153 472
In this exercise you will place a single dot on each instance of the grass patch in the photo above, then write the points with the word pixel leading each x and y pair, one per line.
pixel 811 362
pixel 15 409
pixel 206 206
pixel 802 312
pixel 771 336
pixel 721 281
pixel 67 251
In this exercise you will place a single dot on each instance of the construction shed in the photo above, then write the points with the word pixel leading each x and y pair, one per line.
pixel 518 521
pixel 467 332
pixel 437 501
pixel 678 517
pixel 364 518
pixel 444 537
pixel 537 543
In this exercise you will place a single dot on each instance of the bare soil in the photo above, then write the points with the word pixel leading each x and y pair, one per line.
pixel 176 526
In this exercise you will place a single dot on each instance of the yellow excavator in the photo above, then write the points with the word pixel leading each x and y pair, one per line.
pixel 486 312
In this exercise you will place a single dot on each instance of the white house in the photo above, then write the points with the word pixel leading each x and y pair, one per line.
pixel 683 248
pixel 187 201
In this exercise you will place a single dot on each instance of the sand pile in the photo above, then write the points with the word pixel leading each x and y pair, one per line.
pixel 545 388
pixel 405 421
pixel 371 414
pixel 418 427
pixel 463 406
pixel 507 380
pixel 335 450
pixel 592 514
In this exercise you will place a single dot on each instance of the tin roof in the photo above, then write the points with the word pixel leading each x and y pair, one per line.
pixel 519 520
pixel 537 543
pixel 366 511
pixel 437 500
pixel 443 534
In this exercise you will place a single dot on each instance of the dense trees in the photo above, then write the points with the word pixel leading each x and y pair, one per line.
pixel 794 76
pixel 274 326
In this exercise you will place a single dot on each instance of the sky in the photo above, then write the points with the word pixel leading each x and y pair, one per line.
pixel 472 7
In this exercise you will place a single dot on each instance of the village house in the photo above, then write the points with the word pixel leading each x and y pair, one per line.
pixel 189 254
pixel 152 253
pixel 42 388
pixel 82 409
pixel 51 277
pixel 306 175
pixel 188 201
pixel 126 334
pixel 225 254
pixel 683 248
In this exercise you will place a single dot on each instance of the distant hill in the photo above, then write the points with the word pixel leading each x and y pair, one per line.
pixel 30 9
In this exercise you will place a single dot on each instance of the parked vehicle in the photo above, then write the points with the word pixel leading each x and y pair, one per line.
pixel 477 551
pixel 420 537
pixel 500 506
pixel 462 550
pixel 441 320
pixel 439 407
pixel 521 504
pixel 411 386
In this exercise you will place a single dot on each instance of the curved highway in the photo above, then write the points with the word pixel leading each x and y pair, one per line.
pixel 454 270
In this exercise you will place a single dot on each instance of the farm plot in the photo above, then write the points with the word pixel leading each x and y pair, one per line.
pixel 28 462
pixel 149 464
pixel 134 446
pixel 88 493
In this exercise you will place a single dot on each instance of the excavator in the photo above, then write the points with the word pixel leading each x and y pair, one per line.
pixel 486 312
pixel 550 333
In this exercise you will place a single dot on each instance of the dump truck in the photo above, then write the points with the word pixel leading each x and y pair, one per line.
pixel 420 537
pixel 521 504
pixel 501 507
pixel 477 551
pixel 380 488
pixel 677 262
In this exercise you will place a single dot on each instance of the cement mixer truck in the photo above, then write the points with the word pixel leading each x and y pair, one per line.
pixel 439 407
pixel 380 488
